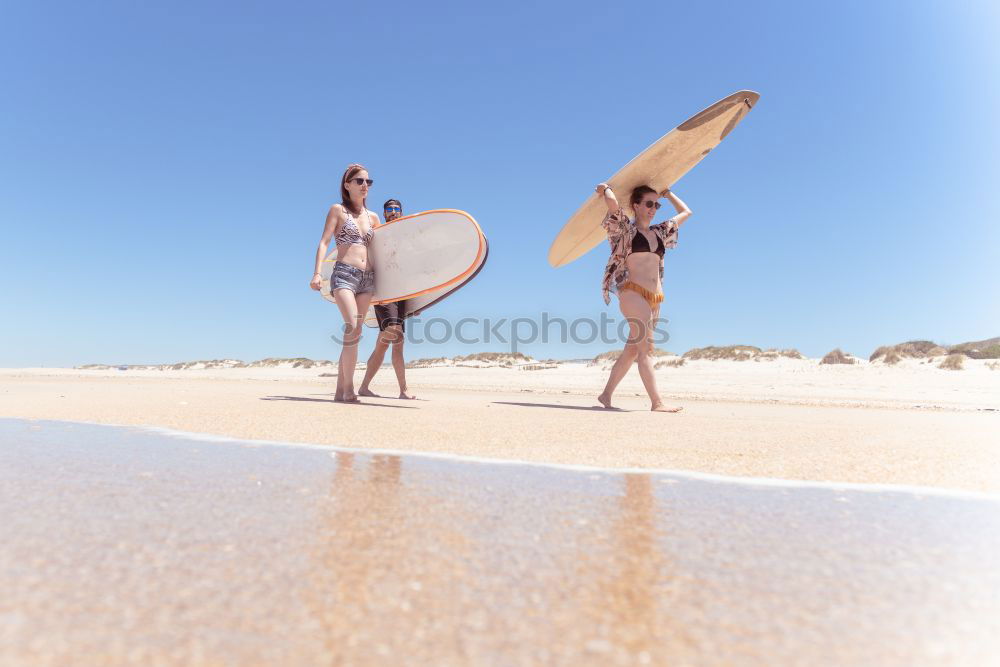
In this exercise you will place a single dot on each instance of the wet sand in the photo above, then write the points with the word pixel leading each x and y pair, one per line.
pixel 129 546
pixel 927 428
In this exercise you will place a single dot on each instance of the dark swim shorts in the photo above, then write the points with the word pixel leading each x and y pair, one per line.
pixel 391 313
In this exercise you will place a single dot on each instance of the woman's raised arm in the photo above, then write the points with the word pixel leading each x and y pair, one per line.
pixel 683 212
pixel 605 192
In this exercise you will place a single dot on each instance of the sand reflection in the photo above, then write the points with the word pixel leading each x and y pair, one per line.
pixel 388 552
pixel 627 584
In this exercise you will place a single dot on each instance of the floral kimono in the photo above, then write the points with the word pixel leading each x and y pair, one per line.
pixel 620 232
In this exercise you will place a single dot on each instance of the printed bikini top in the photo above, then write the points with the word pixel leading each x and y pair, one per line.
pixel 641 244
pixel 350 234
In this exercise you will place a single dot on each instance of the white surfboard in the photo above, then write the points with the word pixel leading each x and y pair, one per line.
pixel 421 258
pixel 659 166
pixel 419 304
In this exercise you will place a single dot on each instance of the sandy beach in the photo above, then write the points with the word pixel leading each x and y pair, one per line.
pixel 908 424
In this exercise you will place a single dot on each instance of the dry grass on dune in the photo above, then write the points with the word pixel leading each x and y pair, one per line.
pixel 914 349
pixel 612 355
pixel 926 349
pixel 980 349
pixel 740 353
pixel 297 362
pixel 427 362
pixel 953 362
pixel 711 353
pixel 991 352
pixel 837 356
pixel 205 364
pixel 772 354
pixel 502 359
pixel 180 366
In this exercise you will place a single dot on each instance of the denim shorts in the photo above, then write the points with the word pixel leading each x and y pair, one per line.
pixel 350 277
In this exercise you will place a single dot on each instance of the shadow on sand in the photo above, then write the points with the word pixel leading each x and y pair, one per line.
pixel 330 400
pixel 597 408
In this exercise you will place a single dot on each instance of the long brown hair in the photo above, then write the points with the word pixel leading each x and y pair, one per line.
pixel 345 196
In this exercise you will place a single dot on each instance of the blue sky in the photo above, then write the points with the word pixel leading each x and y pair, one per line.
pixel 165 169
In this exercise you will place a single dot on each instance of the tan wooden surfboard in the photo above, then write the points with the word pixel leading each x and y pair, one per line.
pixel 659 166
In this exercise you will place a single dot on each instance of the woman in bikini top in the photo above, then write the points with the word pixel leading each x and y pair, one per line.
pixel 634 271
pixel 640 243
pixel 351 226
pixel 349 235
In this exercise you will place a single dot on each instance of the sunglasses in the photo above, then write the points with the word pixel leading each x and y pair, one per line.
pixel 393 209
pixel 652 204
pixel 359 181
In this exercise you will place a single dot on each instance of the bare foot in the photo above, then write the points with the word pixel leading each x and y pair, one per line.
pixel 405 394
pixel 338 398
pixel 367 392
pixel 604 400
pixel 351 398
pixel 660 407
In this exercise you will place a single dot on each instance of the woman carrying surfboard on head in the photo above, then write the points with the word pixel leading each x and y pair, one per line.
pixel 391 326
pixel 635 272
pixel 352 283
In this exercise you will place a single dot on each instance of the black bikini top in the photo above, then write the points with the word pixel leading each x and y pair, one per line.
pixel 640 244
